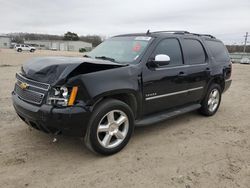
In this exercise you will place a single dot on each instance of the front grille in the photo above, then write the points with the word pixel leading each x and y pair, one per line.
pixel 32 82
pixel 34 93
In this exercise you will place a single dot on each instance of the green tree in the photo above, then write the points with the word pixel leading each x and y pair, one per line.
pixel 71 36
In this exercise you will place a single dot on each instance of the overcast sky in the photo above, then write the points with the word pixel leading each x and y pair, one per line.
pixel 226 19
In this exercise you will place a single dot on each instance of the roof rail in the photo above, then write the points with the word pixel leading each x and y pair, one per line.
pixel 207 35
pixel 182 32
pixel 175 32
pixel 203 35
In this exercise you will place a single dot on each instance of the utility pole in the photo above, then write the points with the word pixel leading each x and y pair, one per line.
pixel 245 44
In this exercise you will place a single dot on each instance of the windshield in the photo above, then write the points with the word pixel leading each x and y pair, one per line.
pixel 120 49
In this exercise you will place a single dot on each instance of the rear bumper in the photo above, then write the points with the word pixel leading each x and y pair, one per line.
pixel 227 85
pixel 68 121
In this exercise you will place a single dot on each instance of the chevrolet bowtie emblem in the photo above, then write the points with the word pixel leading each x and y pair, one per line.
pixel 23 85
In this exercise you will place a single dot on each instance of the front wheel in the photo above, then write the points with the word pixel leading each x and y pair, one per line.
pixel 110 128
pixel 211 101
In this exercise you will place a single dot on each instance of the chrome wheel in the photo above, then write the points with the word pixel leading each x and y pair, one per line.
pixel 214 99
pixel 112 129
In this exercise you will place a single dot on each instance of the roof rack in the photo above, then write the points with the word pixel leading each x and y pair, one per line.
pixel 203 35
pixel 174 31
pixel 182 32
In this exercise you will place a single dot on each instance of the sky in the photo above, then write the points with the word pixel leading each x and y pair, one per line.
pixel 228 20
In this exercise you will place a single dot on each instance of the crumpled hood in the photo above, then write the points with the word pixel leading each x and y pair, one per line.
pixel 52 70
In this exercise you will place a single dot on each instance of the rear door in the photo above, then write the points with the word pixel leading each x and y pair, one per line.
pixel 197 68
pixel 165 87
pixel 219 57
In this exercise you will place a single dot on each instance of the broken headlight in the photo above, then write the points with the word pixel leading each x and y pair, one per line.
pixel 62 96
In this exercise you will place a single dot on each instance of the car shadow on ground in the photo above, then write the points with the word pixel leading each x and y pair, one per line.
pixel 73 145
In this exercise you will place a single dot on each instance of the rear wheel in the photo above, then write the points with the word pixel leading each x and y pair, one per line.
pixel 211 101
pixel 110 127
pixel 32 50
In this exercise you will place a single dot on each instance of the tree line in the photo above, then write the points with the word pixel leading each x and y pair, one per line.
pixel 237 48
pixel 21 37
pixel 94 39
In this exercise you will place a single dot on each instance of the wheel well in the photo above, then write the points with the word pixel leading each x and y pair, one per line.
pixel 127 98
pixel 219 81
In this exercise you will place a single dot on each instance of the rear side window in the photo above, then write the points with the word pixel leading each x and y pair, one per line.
pixel 218 50
pixel 193 52
pixel 170 47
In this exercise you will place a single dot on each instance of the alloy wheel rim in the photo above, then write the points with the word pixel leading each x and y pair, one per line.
pixel 214 99
pixel 112 129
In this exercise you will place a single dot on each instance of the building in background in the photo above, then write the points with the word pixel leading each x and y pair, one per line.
pixel 5 42
pixel 60 45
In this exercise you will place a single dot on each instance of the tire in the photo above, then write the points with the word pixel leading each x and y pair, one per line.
pixel 19 50
pixel 32 50
pixel 102 133
pixel 211 102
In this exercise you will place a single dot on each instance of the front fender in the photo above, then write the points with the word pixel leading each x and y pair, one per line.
pixel 96 85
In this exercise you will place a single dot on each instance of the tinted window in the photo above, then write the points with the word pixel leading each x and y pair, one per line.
pixel 218 50
pixel 170 47
pixel 193 51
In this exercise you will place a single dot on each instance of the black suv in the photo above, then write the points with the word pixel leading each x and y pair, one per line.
pixel 128 80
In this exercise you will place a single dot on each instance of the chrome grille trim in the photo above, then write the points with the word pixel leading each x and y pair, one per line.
pixel 35 93
pixel 27 95
pixel 34 83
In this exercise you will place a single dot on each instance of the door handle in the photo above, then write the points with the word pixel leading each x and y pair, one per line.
pixel 208 70
pixel 182 74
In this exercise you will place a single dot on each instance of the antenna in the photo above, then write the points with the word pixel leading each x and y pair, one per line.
pixel 148 32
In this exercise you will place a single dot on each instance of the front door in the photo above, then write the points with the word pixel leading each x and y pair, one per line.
pixel 165 87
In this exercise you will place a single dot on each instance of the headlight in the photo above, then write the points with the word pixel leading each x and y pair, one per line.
pixel 62 96
pixel 64 91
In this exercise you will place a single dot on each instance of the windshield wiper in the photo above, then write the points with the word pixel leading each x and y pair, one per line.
pixel 105 58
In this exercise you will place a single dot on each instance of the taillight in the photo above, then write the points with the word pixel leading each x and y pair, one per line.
pixel 231 69
pixel 228 71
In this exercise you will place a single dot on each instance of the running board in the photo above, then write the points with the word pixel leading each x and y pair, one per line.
pixel 156 118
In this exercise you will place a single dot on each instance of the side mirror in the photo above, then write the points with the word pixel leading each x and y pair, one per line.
pixel 160 60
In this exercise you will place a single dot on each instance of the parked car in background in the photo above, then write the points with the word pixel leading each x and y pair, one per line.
pixel 245 60
pixel 24 47
pixel 128 80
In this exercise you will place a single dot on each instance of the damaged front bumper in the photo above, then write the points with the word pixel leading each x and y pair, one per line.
pixel 68 120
